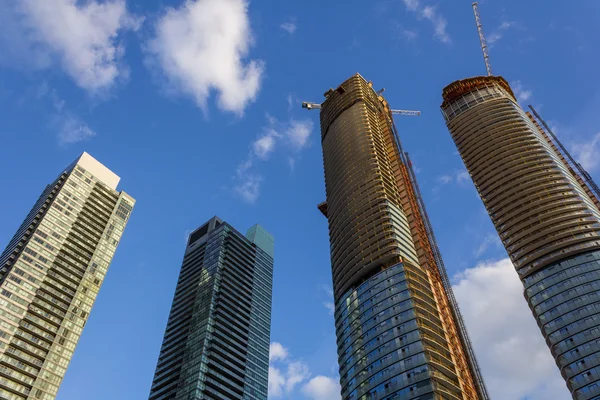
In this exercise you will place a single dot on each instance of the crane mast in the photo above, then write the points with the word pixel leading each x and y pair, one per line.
pixel 482 40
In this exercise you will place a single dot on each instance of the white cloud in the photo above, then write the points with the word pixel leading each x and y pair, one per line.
pixel 439 23
pixel 83 35
pixel 498 33
pixel 322 388
pixel 295 134
pixel 330 307
pixel 287 373
pixel 263 146
pixel 493 37
pixel 458 176
pixel 297 372
pixel 277 352
pixel 276 382
pixel 72 130
pixel 329 304
pixel 292 163
pixel 411 5
pixel 463 176
pixel 522 94
pixel 284 373
pixel 248 182
pixel 588 153
pixel 298 133
pixel 506 24
pixel 200 47
pixel 408 35
pixel 431 14
pixel 290 27
pixel 69 128
pixel 508 344
pixel 489 240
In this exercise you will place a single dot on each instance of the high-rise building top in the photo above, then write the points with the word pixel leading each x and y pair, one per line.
pixel 398 330
pixel 216 343
pixel 540 210
pixel 50 274
pixel 99 171
pixel 545 214
pixel 368 228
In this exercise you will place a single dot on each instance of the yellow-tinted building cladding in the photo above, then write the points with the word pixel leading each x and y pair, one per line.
pixel 545 214
pixel 398 333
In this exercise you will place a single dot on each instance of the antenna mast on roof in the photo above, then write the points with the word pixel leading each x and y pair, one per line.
pixel 484 46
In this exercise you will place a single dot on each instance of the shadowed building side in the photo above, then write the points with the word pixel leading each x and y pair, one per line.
pixel 396 330
pixel 544 215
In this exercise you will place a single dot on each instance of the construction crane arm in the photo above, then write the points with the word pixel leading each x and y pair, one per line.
pixel 409 113
pixel 309 106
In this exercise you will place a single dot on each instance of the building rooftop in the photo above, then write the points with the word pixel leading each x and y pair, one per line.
pixel 97 169
pixel 458 88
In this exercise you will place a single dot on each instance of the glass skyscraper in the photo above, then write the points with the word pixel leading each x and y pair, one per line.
pixel 399 332
pixel 545 214
pixel 216 344
pixel 50 274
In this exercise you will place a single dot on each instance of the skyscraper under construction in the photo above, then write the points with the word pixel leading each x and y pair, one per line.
pixel 399 332
pixel 545 213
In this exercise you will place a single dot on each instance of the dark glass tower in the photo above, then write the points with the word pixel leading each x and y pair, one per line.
pixel 399 332
pixel 216 344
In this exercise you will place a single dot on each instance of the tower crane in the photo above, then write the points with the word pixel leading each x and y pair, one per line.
pixel 482 40
pixel 411 113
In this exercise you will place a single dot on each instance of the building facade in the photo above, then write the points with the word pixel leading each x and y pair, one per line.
pixel 216 344
pixel 545 214
pixel 399 332
pixel 50 274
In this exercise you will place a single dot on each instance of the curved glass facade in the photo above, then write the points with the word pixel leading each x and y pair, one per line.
pixel 389 340
pixel 565 297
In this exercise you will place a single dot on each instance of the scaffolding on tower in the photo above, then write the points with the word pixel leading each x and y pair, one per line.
pixel 434 257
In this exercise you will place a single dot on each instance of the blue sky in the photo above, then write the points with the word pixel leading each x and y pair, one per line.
pixel 197 107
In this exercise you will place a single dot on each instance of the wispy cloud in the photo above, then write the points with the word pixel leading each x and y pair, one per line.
pixel 587 153
pixel 264 145
pixel 328 304
pixel 522 94
pixel 289 26
pixel 200 48
pixel 458 176
pixel 504 333
pixel 499 32
pixel 293 134
pixel 431 14
pixel 84 36
pixel 248 181
pixel 408 35
pixel 405 34
pixel 72 130
pixel 489 240
pixel 69 128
